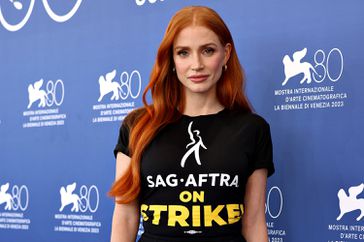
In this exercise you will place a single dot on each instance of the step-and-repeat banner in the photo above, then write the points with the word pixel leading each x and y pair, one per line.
pixel 71 70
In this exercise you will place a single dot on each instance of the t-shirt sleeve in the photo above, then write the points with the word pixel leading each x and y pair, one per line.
pixel 263 152
pixel 123 141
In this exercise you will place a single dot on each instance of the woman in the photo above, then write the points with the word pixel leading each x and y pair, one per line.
pixel 194 163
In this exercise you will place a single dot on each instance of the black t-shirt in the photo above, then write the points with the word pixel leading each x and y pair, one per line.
pixel 194 173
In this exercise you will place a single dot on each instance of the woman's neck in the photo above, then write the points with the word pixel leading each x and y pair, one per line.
pixel 201 105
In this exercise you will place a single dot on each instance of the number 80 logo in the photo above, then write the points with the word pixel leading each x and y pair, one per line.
pixel 276 194
pixel 322 65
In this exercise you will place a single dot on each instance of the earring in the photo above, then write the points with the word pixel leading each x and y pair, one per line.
pixel 225 67
pixel 174 69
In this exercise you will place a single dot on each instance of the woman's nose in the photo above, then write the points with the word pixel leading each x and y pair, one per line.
pixel 197 64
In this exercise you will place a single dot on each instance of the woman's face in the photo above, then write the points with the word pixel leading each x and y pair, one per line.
pixel 199 58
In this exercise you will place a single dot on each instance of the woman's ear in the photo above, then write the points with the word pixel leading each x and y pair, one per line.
pixel 227 52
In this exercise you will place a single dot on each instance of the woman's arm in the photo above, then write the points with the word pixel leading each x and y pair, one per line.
pixel 254 227
pixel 125 220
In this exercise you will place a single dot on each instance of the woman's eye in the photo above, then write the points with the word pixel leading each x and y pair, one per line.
pixel 208 51
pixel 182 53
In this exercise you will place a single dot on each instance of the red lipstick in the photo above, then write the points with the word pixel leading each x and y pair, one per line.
pixel 198 78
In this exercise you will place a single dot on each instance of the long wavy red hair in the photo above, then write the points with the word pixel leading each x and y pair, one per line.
pixel 168 94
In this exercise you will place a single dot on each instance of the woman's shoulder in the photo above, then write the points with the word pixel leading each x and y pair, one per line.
pixel 248 118
pixel 248 126
pixel 132 117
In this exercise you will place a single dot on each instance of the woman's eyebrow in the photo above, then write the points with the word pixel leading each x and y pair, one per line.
pixel 181 47
pixel 208 44
pixel 202 46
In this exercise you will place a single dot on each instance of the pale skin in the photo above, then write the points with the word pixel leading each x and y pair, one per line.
pixel 254 226
pixel 125 220
pixel 199 59
pixel 198 52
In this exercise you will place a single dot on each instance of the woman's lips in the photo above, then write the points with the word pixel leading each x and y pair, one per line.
pixel 198 78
